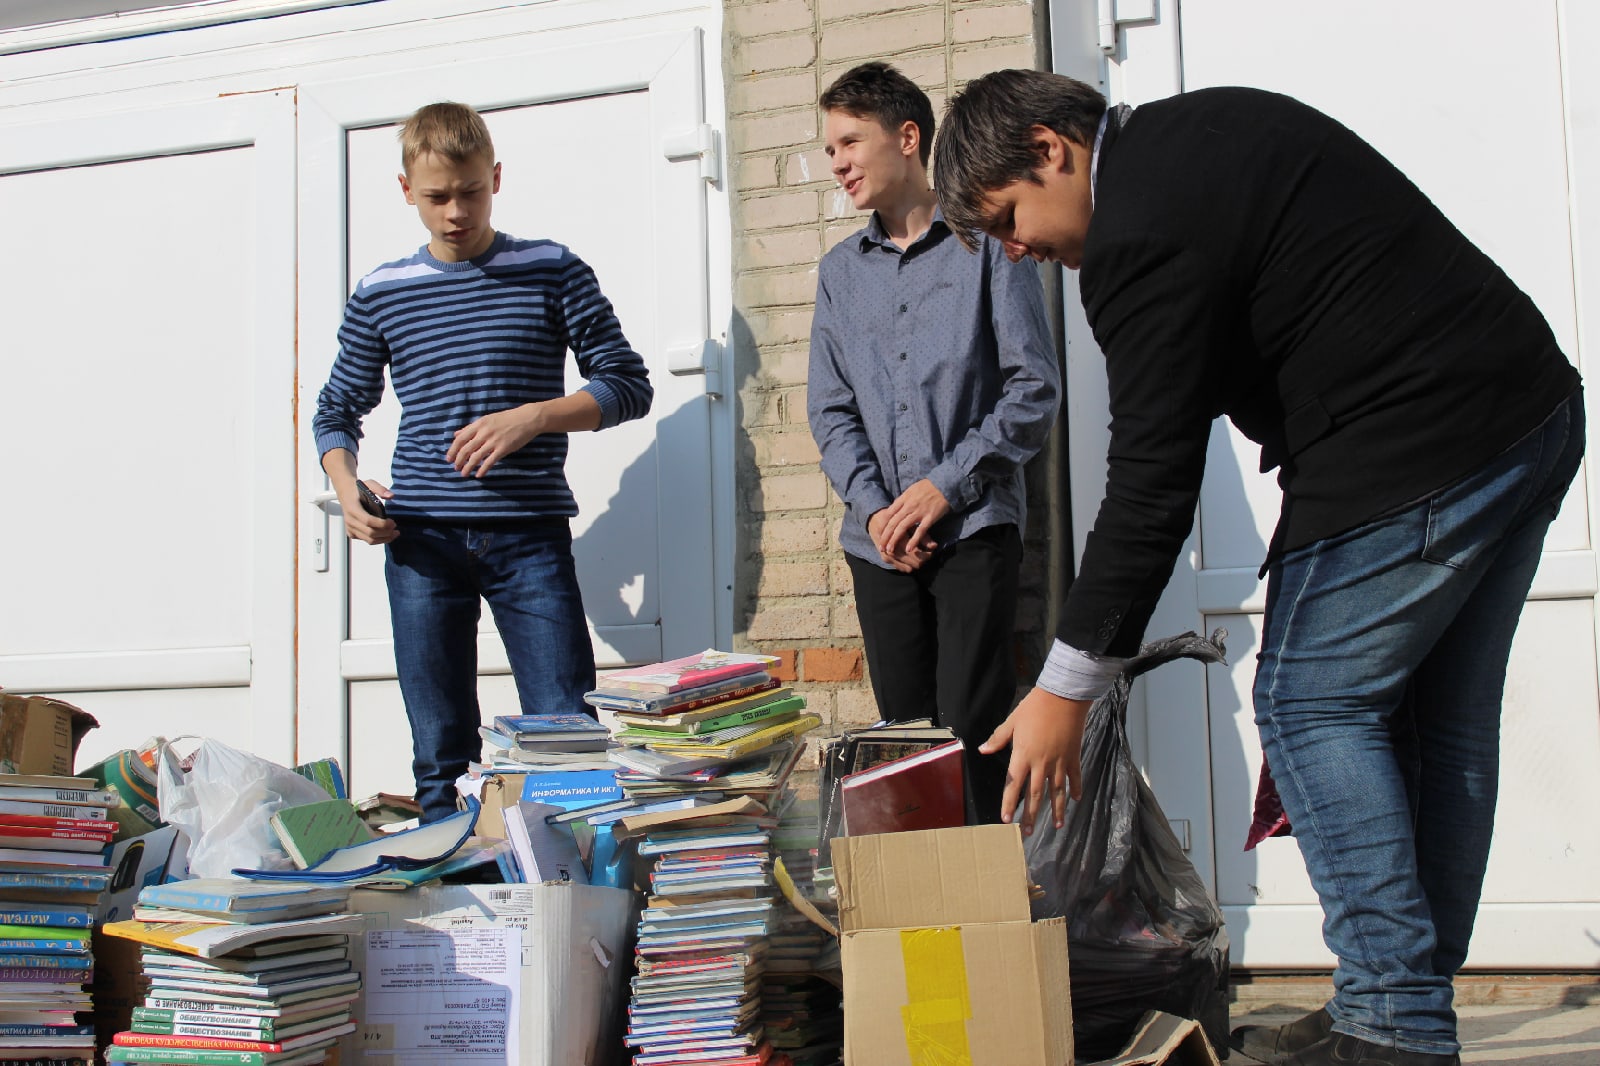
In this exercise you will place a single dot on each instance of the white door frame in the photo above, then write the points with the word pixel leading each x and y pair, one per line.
pixel 669 65
pixel 264 121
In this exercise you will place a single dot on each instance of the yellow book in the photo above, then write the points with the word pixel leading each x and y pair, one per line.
pixel 745 745
pixel 207 941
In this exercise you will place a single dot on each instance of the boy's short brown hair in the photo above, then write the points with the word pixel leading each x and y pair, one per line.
pixel 877 91
pixel 454 131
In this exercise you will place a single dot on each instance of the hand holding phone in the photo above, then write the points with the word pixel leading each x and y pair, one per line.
pixel 370 501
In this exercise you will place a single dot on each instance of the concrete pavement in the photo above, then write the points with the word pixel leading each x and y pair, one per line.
pixel 1526 1020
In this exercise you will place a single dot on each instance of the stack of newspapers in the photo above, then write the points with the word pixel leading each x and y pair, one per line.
pixel 240 972
pixel 54 836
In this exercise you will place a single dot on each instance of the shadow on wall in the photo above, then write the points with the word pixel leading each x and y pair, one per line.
pixel 616 584
pixel 749 512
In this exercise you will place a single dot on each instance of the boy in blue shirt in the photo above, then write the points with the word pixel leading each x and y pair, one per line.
pixel 474 328
pixel 932 381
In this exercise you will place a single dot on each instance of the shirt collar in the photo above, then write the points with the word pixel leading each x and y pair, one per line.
pixel 874 232
pixel 1094 160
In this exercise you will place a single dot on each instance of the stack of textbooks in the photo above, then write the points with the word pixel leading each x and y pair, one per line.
pixel 519 743
pixel 241 973
pixel 717 721
pixel 703 939
pixel 55 821
pixel 715 724
pixel 54 832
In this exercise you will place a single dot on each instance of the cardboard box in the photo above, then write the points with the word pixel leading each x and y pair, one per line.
pixel 940 957
pixel 137 863
pixel 1164 1039
pixel 118 984
pixel 39 735
pixel 572 982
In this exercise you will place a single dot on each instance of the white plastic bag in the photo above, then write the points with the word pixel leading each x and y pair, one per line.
pixel 225 803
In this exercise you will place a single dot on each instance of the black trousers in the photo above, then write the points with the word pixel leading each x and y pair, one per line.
pixel 938 643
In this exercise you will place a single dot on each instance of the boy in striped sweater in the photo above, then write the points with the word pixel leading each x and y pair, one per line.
pixel 474 328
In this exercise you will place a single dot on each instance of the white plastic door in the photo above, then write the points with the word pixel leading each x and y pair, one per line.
pixel 1487 124
pixel 146 549
pixel 597 151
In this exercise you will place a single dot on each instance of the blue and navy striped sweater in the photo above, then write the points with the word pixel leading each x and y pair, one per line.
pixel 464 340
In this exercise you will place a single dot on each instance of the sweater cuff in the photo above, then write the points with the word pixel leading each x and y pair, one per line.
pixel 606 397
pixel 1078 675
pixel 336 438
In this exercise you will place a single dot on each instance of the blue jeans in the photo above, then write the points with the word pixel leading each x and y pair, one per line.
pixel 1378 694
pixel 437 575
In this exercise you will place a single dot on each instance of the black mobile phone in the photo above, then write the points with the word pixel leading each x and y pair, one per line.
pixel 370 501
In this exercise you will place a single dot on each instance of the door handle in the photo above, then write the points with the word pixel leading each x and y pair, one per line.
pixel 327 502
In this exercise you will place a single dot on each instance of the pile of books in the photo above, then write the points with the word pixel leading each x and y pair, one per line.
pixel 240 972
pixel 715 722
pixel 520 743
pixel 54 832
pixel 703 938
pixel 711 727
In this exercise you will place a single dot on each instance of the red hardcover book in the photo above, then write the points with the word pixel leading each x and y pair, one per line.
pixel 9 823
pixel 927 790
pixel 103 832
pixel 201 1043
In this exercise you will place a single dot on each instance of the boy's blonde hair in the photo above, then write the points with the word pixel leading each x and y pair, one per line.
pixel 454 131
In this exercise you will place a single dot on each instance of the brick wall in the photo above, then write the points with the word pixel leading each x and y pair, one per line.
pixel 793 595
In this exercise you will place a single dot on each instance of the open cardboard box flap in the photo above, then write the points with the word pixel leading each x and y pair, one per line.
pixel 935 877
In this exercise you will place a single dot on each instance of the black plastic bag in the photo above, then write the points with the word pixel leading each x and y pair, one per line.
pixel 1144 932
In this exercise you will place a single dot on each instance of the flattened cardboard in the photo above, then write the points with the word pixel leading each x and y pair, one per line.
pixel 936 877
pixel 1164 1039
pixel 576 943
pixel 1001 998
pixel 39 735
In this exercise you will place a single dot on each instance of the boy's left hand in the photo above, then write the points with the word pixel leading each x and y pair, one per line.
pixel 479 445
pixel 907 521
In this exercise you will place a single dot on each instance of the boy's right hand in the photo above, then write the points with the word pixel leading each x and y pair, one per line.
pixel 358 523
pixel 916 551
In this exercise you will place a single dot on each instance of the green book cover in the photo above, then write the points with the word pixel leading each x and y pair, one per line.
pixel 202 1057
pixel 325 772
pixel 50 932
pixel 310 832
pixel 777 710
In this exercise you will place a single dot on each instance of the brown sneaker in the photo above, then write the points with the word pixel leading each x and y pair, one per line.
pixel 1341 1049
pixel 1272 1044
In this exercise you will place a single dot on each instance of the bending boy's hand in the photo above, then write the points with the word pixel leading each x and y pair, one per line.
pixel 1046 737
pixel 477 446
pixel 361 525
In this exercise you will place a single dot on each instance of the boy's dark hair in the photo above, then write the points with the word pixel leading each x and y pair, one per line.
pixel 985 145
pixel 880 92
pixel 454 131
